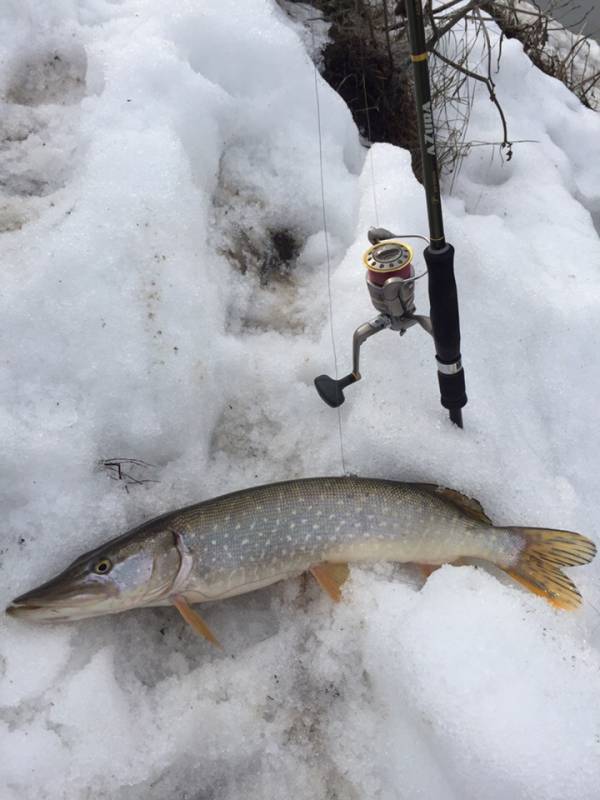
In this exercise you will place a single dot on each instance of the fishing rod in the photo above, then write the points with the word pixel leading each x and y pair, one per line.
pixel 391 274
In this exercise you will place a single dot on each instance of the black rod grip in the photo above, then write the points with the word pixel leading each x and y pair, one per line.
pixel 452 390
pixel 445 322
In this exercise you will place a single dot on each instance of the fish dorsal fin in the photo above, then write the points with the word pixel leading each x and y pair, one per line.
pixel 194 619
pixel 330 578
pixel 468 505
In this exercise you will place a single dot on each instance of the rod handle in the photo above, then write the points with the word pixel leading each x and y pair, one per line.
pixel 445 323
pixel 453 394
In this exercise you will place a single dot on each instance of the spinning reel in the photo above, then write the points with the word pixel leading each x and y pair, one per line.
pixel 391 283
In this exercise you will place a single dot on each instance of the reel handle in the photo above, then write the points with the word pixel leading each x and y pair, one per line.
pixel 332 391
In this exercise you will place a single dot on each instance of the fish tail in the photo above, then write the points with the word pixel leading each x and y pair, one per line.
pixel 539 564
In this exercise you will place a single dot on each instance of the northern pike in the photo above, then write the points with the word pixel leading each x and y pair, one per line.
pixel 252 538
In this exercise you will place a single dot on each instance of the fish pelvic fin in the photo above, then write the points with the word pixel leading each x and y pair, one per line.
pixel 194 619
pixel 330 578
pixel 539 566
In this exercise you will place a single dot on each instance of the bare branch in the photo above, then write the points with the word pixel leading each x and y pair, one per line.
pixel 491 92
pixel 451 22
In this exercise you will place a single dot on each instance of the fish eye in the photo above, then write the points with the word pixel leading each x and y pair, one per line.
pixel 103 566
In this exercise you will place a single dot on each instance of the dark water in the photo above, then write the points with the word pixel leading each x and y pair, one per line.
pixel 572 15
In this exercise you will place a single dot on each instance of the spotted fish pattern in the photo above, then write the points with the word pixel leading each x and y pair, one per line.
pixel 260 535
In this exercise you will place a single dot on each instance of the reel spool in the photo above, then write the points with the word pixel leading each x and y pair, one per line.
pixel 389 259
pixel 391 279
pixel 391 284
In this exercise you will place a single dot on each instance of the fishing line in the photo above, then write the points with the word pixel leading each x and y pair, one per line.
pixel 325 231
pixel 366 102
pixel 370 156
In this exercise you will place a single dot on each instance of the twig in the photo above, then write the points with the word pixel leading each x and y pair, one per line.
pixel 451 22
pixel 492 94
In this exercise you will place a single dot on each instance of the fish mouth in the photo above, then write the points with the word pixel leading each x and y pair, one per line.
pixel 16 606
pixel 56 612
pixel 40 605
pixel 40 611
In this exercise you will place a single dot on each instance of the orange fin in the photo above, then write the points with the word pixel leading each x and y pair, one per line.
pixel 427 569
pixel 194 619
pixel 468 505
pixel 330 578
pixel 538 566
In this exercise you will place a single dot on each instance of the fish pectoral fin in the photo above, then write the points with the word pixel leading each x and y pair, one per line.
pixel 330 578
pixel 194 619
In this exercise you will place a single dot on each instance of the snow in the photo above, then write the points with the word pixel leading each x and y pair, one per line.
pixel 141 171
pixel 577 51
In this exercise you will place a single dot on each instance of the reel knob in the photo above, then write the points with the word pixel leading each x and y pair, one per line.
pixel 331 390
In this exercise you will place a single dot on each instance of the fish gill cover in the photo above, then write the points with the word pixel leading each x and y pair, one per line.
pixel 142 145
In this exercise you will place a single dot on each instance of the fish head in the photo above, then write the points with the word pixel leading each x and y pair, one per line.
pixel 136 569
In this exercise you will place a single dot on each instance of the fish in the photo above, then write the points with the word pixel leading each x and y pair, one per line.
pixel 252 538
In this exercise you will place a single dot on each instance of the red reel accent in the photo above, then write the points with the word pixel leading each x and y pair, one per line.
pixel 379 277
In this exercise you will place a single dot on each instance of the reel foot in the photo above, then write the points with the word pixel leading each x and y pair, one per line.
pixel 331 391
